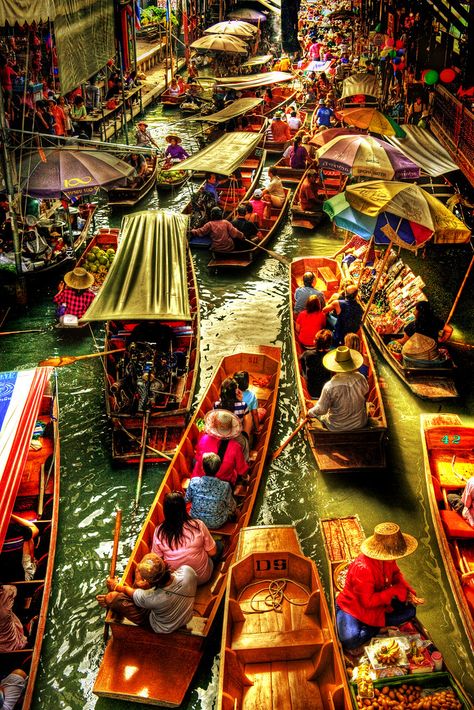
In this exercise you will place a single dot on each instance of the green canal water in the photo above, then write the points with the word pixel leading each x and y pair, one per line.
pixel 243 311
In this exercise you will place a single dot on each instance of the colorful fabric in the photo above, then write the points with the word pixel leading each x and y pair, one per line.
pixel 240 408
pixel 172 606
pixel 76 302
pixel 211 500
pixel 233 463
pixel 468 500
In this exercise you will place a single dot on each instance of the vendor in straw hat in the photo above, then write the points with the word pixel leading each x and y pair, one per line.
pixel 342 405
pixel 160 599
pixel 222 428
pixel 143 137
pixel 426 323
pixel 74 295
pixel 175 152
pixel 375 592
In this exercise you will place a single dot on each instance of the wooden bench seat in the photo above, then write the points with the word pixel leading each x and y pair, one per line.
pixel 277 645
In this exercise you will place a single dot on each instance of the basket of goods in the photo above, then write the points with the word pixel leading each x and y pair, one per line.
pixel 388 656
pixel 98 262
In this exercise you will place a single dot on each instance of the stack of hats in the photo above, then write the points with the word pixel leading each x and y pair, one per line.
pixel 420 347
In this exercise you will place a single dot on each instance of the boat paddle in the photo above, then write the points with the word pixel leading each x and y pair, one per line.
pixel 18 332
pixel 456 343
pixel 279 257
pixel 146 419
pixel 113 559
pixel 277 453
pixel 62 360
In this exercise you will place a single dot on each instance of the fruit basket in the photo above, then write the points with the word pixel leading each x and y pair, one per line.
pixel 388 653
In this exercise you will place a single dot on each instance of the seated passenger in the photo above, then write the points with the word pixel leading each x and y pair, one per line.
pixel 249 229
pixel 427 323
pixel 180 540
pixel 352 341
pixel 310 321
pixel 348 312
pixel 231 399
pixel 220 437
pixel 224 236
pixel 303 292
pixel 161 600
pixel 463 503
pixel 342 405
pixel 312 363
pixel 248 396
pixel 258 206
pixel 12 637
pixel 74 295
pixel 211 498
pixel 12 687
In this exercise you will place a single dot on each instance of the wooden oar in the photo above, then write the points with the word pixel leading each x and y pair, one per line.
pixel 142 458
pixel 459 344
pixel 18 332
pixel 63 360
pixel 279 257
pixel 287 441
pixel 113 559
pixel 148 446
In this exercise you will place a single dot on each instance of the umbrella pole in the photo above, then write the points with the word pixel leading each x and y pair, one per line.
pixel 124 112
pixel 377 281
pixel 366 256
pixel 461 288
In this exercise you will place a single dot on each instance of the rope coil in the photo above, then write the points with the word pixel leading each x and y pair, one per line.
pixel 275 595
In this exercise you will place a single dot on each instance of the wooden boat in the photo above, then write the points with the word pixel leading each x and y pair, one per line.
pixel 164 664
pixel 167 180
pixel 433 383
pixel 449 463
pixel 170 101
pixel 35 477
pixel 287 174
pixel 334 451
pixel 330 183
pixel 276 148
pixel 283 654
pixel 129 196
pixel 282 96
pixel 342 538
pixel 243 258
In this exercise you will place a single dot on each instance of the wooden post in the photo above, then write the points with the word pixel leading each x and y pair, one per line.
pixel 366 255
pixel 461 288
pixel 377 281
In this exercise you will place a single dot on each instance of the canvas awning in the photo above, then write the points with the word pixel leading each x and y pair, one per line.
pixel 148 277
pixel 20 399
pixel 423 148
pixel 236 108
pixel 256 61
pixel 253 81
pixel 29 11
pixel 360 84
pixel 270 6
pixel 224 155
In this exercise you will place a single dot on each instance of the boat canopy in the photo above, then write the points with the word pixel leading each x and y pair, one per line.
pixel 360 84
pixel 424 149
pixel 20 400
pixel 256 61
pixel 148 277
pixel 253 81
pixel 236 108
pixel 224 155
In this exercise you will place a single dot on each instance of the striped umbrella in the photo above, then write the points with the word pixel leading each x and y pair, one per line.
pixel 373 120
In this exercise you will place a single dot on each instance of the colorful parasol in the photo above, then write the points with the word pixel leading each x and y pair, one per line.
pixel 366 156
pixel 247 14
pixel 220 43
pixel 373 120
pixel 324 137
pixel 235 28
pixel 395 212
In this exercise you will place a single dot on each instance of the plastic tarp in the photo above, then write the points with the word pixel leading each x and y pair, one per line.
pixel 360 84
pixel 236 108
pixel 259 59
pixel 224 155
pixel 253 81
pixel 20 399
pixel 423 148
pixel 148 277
pixel 84 31
pixel 29 11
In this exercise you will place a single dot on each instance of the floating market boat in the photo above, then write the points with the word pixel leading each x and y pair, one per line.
pixel 249 85
pixel 154 317
pixel 243 114
pixel 167 180
pixel 449 463
pixel 169 100
pixel 411 681
pixel 287 174
pixel 277 147
pixel 334 451
pixel 164 664
pixel 129 196
pixel 330 183
pixel 30 489
pixel 279 647
pixel 241 259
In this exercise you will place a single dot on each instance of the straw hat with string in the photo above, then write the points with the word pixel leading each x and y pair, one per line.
pixel 78 278
pixel 173 137
pixel 343 359
pixel 222 424
pixel 388 543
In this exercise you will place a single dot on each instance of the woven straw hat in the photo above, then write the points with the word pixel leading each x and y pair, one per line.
pixel 173 136
pixel 343 359
pixel 78 278
pixel 420 347
pixel 222 424
pixel 388 543
pixel 152 568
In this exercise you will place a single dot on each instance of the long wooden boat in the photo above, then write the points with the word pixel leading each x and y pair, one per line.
pixel 30 489
pixel 330 183
pixel 283 654
pixel 129 196
pixel 170 101
pixel 334 451
pixel 342 539
pixel 167 180
pixel 449 463
pixel 282 96
pixel 164 664
pixel 432 383
pixel 277 147
pixel 241 259
pixel 287 174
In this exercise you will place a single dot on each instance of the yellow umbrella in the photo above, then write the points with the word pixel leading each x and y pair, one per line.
pixel 236 28
pixel 221 43
pixel 372 120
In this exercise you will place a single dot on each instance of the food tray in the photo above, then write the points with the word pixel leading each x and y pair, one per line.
pixel 376 645
pixel 429 682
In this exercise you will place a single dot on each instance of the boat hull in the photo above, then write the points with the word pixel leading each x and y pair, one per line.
pixel 131 196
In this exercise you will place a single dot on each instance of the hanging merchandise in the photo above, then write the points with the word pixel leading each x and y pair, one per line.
pixel 431 77
pixel 447 76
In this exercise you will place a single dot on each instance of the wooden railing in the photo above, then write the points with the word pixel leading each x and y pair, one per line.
pixel 453 124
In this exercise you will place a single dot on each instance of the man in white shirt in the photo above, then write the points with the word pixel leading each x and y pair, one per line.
pixel 342 405
pixel 294 121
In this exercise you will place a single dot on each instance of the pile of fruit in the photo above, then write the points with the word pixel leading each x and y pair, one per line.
pixel 411 696
pixel 98 262
pixel 389 653
pixel 171 176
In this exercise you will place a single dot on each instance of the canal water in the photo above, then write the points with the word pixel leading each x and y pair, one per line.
pixel 237 311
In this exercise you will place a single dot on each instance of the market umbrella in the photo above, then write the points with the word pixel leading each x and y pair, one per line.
pixel 220 43
pixel 395 212
pixel 54 172
pixel 247 14
pixel 373 120
pixel 324 137
pixel 366 156
pixel 236 28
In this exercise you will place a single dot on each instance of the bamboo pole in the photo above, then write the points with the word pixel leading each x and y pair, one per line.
pixel 461 288
pixel 366 256
pixel 377 281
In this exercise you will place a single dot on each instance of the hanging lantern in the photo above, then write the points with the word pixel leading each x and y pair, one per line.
pixel 447 76
pixel 431 77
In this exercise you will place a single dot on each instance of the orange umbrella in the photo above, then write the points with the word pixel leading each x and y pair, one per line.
pixel 373 120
